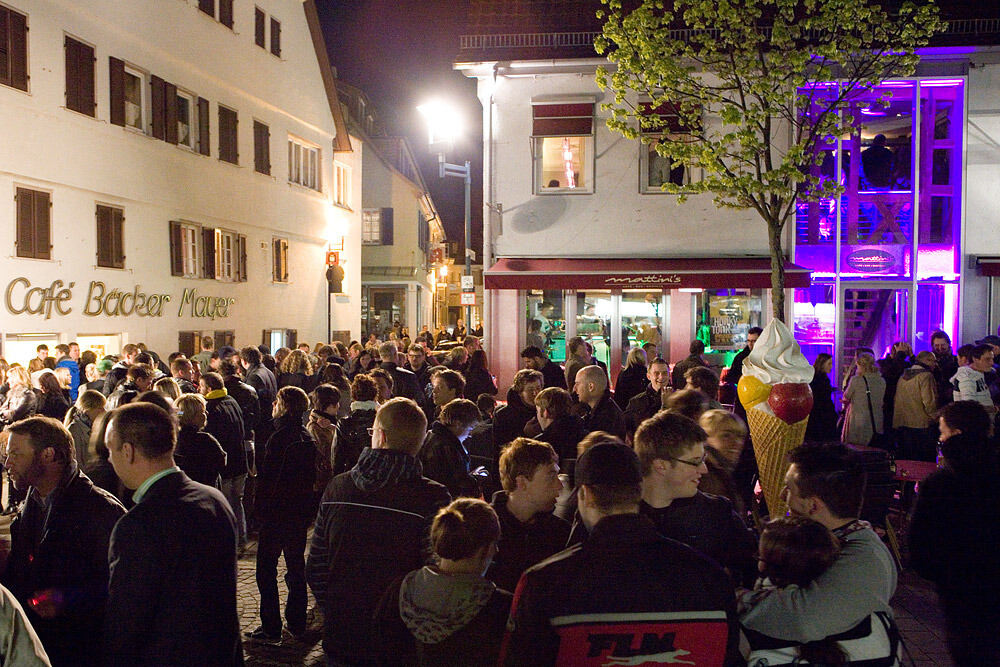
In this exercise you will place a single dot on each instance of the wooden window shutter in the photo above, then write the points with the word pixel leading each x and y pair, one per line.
pixel 276 260
pixel 157 95
pixel 80 77
pixel 261 147
pixel 259 27
pixel 208 252
pixel 291 338
pixel 72 74
pixel 43 232
pixel 241 258
pixel 15 71
pixel 207 6
pixel 170 112
pixel 385 216
pixel 204 143
pixel 284 260
pixel 176 249
pixel 275 37
pixel 226 13
pixel 25 222
pixel 116 70
pixel 105 242
pixel 185 342
pixel 562 120
pixel 118 238
pixel 228 135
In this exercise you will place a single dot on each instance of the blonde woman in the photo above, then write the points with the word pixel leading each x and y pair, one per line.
pixel 863 403
pixel 80 421
pixel 168 387
pixel 198 453
pixel 726 435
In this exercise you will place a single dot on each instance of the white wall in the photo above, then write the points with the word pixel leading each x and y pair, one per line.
pixel 82 160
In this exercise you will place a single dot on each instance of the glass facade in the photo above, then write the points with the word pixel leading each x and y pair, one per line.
pixel 884 255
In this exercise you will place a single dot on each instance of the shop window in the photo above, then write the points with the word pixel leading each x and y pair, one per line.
pixel 279 269
pixel 303 163
pixel 80 77
pixel 261 148
pixel 230 256
pixel 341 184
pixel 546 322
pixel 110 249
pixel 185 249
pixel 22 348
pixel 593 322
pixel 13 49
pixel 228 146
pixel 664 122
pixel 377 226
pixel 562 141
pixel 642 317
pixel 34 229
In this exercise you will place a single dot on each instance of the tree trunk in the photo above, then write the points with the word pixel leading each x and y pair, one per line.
pixel 777 270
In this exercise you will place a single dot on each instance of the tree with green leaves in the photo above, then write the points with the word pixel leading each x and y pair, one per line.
pixel 728 86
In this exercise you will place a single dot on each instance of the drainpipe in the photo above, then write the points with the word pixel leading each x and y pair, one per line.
pixel 488 205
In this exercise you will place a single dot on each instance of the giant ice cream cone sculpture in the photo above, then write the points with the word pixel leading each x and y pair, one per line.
pixel 775 391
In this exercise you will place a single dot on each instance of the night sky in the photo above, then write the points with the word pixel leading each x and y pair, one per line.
pixel 400 53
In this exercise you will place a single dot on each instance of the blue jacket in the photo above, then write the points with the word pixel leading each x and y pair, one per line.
pixel 74 374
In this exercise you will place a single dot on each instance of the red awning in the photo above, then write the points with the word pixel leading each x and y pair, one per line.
pixel 988 266
pixel 707 273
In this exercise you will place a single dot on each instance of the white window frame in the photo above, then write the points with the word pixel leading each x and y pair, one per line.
pixel 141 76
pixel 691 174
pixel 227 246
pixel 371 226
pixel 341 184
pixel 192 123
pixel 304 164
pixel 191 249
pixel 588 163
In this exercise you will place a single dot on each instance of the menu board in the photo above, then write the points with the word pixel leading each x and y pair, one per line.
pixel 729 320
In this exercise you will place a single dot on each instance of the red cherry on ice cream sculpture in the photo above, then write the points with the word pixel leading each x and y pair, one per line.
pixel 791 401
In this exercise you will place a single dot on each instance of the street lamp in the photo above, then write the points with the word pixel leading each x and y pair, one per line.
pixel 443 125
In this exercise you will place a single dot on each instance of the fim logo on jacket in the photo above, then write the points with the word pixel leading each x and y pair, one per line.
pixel 629 640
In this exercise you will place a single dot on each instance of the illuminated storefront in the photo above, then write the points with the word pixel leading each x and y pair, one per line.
pixel 886 257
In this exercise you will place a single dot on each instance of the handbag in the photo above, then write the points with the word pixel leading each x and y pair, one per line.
pixel 878 439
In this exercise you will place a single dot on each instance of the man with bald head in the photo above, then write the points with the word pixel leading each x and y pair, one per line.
pixel 600 413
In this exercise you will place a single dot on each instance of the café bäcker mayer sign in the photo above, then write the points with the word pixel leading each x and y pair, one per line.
pixel 59 298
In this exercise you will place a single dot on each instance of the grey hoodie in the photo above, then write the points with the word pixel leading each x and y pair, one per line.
pixel 434 605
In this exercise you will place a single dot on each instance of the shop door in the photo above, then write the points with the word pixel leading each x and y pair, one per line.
pixel 873 316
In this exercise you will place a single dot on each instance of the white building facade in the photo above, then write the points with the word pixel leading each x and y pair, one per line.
pixel 170 167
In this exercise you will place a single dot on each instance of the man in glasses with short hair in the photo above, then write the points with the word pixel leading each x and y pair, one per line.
pixel 671 449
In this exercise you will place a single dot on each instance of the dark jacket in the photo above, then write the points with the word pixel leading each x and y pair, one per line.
pixel 71 559
pixel 266 386
pixel 641 407
pixel 627 569
pixel 606 416
pixel 478 382
pixel 708 524
pixel 404 382
pixel 564 434
pixel 115 377
pixel 200 456
pixel 53 405
pixel 631 382
pixel 736 368
pixel 225 423
pixel 304 382
pixel 553 375
pixel 719 480
pixel 947 366
pixel 446 460
pixel 822 425
pixel 522 545
pixel 509 420
pixel 372 527
pixel 677 375
pixel 173 580
pixel 352 439
pixel 286 473
pixel 20 403
pixel 246 396
pixel 186 387
pixel 892 368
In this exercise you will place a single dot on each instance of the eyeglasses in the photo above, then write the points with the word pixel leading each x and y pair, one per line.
pixel 693 464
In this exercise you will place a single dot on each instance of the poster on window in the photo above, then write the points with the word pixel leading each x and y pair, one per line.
pixel 729 320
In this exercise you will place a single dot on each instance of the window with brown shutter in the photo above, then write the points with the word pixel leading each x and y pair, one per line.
pixel 110 237
pixel 275 37
pixel 562 146
pixel 204 145
pixel 562 120
pixel 387 228
pixel 279 266
pixel 116 81
pixel 241 258
pixel 261 147
pixel 170 113
pixel 13 49
pixel 259 27
pixel 228 151
pixel 34 210
pixel 208 252
pixel 186 341
pixel 207 6
pixel 176 249
pixel 226 13
pixel 158 97
pixel 80 77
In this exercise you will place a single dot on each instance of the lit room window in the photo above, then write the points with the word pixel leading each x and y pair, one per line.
pixel 563 147
pixel 371 226
pixel 303 163
pixel 185 249
pixel 225 255
pixel 656 169
pixel 341 184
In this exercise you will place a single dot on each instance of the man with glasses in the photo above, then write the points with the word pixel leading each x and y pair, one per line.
pixel 671 448
pixel 372 527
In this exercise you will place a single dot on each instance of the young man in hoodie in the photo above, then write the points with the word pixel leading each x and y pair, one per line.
pixel 371 528
pixel 969 382
pixel 63 360
pixel 915 411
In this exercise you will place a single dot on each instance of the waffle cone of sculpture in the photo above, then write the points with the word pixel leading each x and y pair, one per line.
pixel 772 440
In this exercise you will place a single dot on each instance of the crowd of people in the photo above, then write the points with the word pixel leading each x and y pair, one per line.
pixel 574 523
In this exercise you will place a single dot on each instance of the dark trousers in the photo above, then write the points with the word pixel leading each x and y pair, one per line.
pixel 275 539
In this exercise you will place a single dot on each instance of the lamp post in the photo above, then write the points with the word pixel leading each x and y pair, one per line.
pixel 443 124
